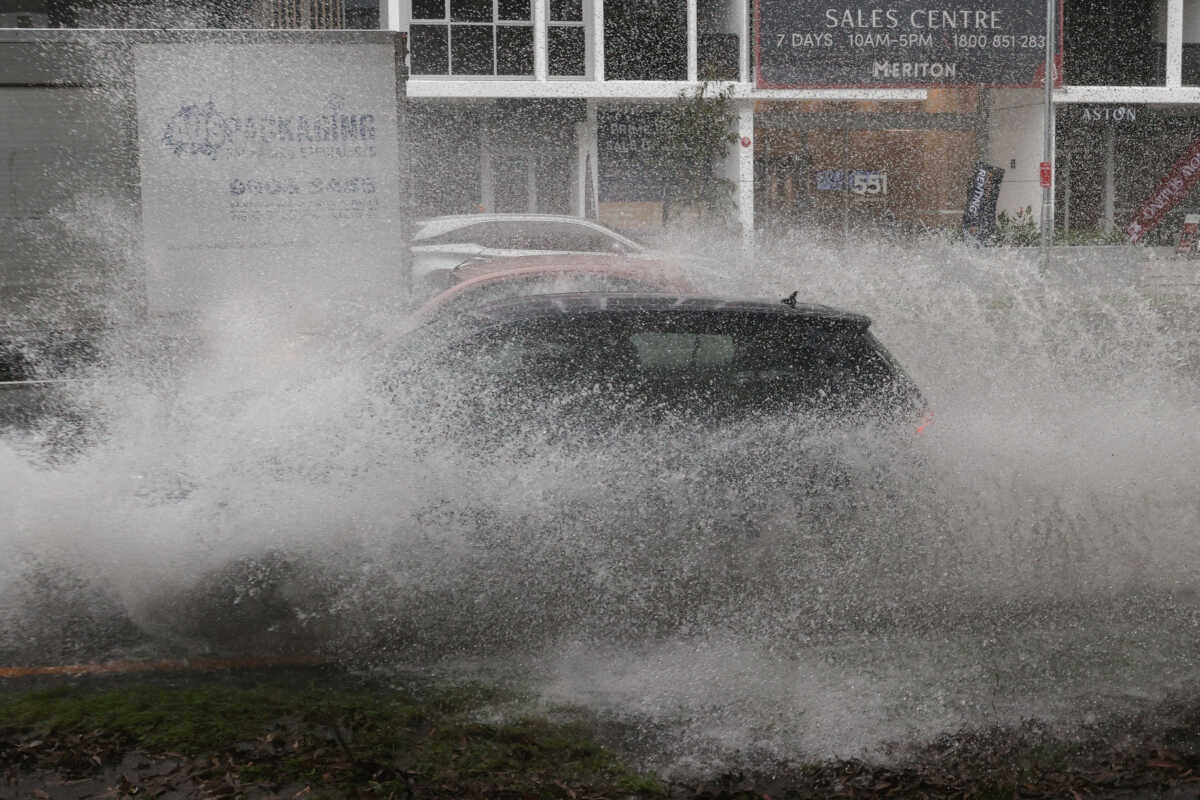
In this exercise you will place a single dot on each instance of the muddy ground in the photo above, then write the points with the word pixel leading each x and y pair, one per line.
pixel 320 733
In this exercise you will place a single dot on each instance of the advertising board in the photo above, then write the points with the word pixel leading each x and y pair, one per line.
pixel 268 166
pixel 1171 190
pixel 901 43
pixel 979 214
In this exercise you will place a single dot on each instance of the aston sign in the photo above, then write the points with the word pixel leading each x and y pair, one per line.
pixel 904 43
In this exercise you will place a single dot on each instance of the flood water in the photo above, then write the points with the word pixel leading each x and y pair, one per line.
pixel 254 488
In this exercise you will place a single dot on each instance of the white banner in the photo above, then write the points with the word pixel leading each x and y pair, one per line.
pixel 268 167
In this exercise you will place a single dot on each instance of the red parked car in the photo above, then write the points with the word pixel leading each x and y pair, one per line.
pixel 482 281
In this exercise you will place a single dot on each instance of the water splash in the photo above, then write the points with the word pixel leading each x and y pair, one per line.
pixel 254 485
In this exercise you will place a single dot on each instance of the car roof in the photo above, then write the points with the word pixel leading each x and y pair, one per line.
pixel 505 217
pixel 663 275
pixel 432 226
pixel 578 304
pixel 592 263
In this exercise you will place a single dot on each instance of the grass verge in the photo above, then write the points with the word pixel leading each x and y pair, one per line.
pixel 324 733
pixel 272 737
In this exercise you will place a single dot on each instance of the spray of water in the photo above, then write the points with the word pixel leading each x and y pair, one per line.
pixel 258 484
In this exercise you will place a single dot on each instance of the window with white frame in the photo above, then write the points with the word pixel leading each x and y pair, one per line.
pixel 566 38
pixel 494 37
pixel 471 37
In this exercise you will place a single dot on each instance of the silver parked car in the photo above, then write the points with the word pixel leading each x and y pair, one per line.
pixel 440 244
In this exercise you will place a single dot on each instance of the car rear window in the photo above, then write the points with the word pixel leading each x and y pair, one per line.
pixel 712 360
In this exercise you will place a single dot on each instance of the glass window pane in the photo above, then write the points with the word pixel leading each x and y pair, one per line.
pixel 429 52
pixel 646 41
pixel 471 11
pixel 512 187
pixel 566 10
pixel 471 50
pixel 362 14
pixel 565 46
pixel 514 50
pixel 492 235
pixel 428 9
pixel 717 56
pixel 515 10
pixel 665 350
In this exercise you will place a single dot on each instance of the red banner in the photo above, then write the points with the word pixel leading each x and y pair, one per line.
pixel 1187 238
pixel 1174 186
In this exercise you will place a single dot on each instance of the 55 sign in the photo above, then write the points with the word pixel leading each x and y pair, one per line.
pixel 867 183
pixel 901 43
pixel 862 182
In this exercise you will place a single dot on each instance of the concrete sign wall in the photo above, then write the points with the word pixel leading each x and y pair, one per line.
pixel 268 166
pixel 902 43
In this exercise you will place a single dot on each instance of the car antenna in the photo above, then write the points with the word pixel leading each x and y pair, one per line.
pixel 790 300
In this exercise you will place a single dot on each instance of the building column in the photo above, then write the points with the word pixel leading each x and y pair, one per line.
pixel 541 58
pixel 1110 179
pixel 487 176
pixel 597 40
pixel 693 43
pixel 578 171
pixel 531 184
pixel 591 198
pixel 389 15
pixel 744 68
pixel 745 180
pixel 1174 43
pixel 585 189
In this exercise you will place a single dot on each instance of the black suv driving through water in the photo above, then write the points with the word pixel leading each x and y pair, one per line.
pixel 612 360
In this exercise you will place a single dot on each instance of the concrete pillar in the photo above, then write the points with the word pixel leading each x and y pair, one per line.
pixel 693 39
pixel 598 40
pixel 541 58
pixel 743 29
pixel 487 176
pixel 745 180
pixel 1175 41
pixel 1110 179
pixel 389 15
pixel 579 164
pixel 585 189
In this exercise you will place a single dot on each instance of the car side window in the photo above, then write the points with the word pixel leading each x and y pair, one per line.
pixel 565 236
pixel 469 234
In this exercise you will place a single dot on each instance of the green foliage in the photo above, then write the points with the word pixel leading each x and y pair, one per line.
pixel 1087 236
pixel 1023 230
pixel 1018 230
pixel 702 124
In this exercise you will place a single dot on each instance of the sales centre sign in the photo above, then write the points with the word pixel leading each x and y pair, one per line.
pixel 901 43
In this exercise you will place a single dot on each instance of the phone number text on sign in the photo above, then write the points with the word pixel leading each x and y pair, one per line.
pixel 1000 41
pixel 357 185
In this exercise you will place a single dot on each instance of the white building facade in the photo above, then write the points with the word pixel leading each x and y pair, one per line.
pixel 548 105
pixel 557 106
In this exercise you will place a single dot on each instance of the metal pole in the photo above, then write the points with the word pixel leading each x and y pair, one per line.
pixel 846 182
pixel 1048 141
